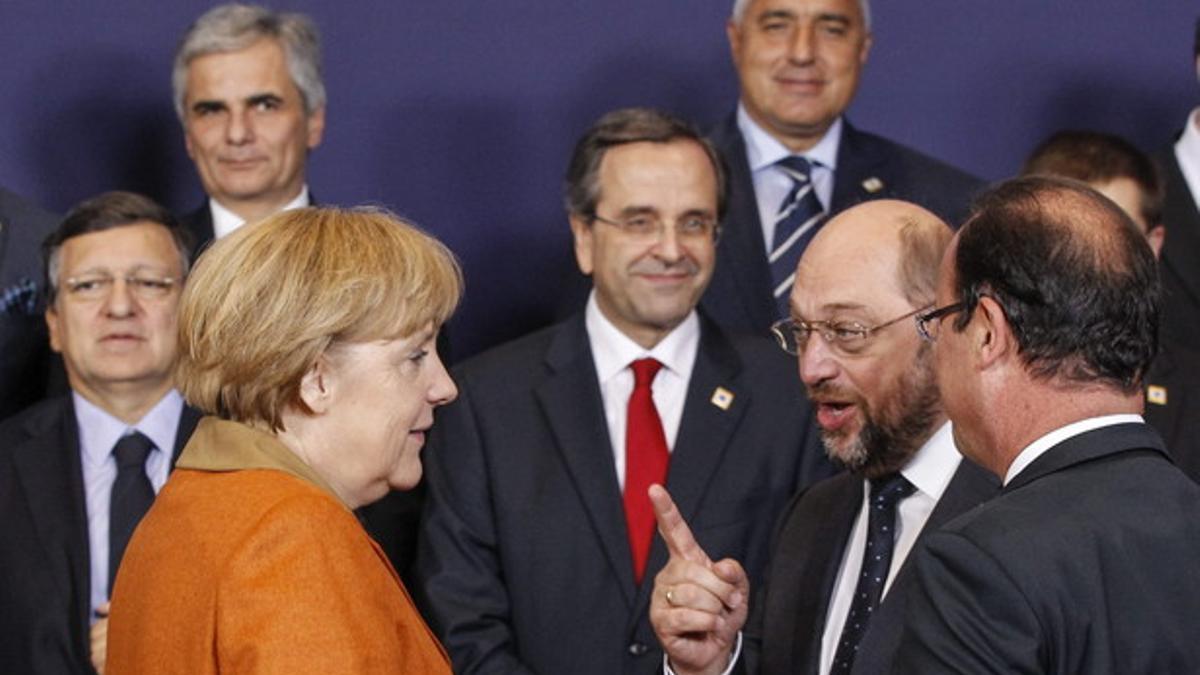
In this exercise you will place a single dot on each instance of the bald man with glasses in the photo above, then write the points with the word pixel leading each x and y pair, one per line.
pixel 841 548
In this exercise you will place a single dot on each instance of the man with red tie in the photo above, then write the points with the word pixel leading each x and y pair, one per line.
pixel 538 550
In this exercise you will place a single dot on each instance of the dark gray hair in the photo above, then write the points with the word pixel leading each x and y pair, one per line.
pixel 739 11
pixel 620 127
pixel 107 211
pixel 233 27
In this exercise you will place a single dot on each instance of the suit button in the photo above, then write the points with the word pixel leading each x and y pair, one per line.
pixel 637 649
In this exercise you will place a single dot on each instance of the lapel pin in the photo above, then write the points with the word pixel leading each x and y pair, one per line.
pixel 872 185
pixel 722 398
pixel 1156 394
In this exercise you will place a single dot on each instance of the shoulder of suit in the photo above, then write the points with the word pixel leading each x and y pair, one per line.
pixel 516 358
pixel 32 422
pixel 919 162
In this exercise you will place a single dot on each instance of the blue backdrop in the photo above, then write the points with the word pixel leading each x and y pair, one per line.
pixel 460 115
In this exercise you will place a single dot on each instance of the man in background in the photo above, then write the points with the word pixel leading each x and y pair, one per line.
pixel 78 471
pixel 538 548
pixel 794 159
pixel 1180 260
pixel 248 91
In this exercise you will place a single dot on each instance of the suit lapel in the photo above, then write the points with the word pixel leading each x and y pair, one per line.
pixel 187 424
pixel 705 430
pixel 741 233
pixel 570 399
pixel 804 567
pixel 1183 226
pixel 970 486
pixel 857 164
pixel 51 476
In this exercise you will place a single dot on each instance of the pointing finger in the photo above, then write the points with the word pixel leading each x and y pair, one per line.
pixel 674 530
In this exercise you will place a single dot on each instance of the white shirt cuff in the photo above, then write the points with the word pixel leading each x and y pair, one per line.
pixel 733 658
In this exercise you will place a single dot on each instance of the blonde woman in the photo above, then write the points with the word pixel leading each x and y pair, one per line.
pixel 308 339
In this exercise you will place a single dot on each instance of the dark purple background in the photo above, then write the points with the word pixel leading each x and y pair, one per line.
pixel 461 114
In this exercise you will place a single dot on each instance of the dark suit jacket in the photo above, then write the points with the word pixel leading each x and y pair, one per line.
pixel 739 297
pixel 1085 563
pixel 783 636
pixel 1176 372
pixel 1180 263
pixel 524 565
pixel 44 563
pixel 199 226
pixel 25 357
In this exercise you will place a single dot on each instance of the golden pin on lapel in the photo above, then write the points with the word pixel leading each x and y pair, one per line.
pixel 722 398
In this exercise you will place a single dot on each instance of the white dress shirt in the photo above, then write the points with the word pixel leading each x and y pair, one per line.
pixel 1040 446
pixel 930 471
pixel 226 221
pixel 98 435
pixel 771 184
pixel 613 351
pixel 1187 153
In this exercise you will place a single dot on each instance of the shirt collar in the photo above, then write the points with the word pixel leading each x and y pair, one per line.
pixel 1040 446
pixel 934 464
pixel 764 150
pixel 99 431
pixel 226 221
pixel 613 350
pixel 1187 148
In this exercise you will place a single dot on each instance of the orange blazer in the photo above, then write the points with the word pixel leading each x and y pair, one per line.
pixel 247 563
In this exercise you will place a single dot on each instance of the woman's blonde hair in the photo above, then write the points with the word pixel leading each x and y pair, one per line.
pixel 266 301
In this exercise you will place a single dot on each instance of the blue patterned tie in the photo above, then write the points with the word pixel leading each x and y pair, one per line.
pixel 796 222
pixel 886 493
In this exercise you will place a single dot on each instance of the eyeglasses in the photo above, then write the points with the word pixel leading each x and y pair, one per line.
pixel 925 321
pixel 646 227
pixel 143 286
pixel 844 337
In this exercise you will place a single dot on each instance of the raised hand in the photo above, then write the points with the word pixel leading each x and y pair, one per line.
pixel 697 606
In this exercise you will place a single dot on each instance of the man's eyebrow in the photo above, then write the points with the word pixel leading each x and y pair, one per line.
pixel 266 97
pixel 208 105
pixel 774 15
pixel 834 17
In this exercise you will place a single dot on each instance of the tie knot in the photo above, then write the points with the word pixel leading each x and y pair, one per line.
pixel 644 371
pixel 132 450
pixel 796 167
pixel 887 491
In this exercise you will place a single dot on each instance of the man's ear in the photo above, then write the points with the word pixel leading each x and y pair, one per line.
pixel 583 234
pixel 52 325
pixel 316 387
pixel 992 333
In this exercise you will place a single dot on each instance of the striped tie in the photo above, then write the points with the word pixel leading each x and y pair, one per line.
pixel 796 222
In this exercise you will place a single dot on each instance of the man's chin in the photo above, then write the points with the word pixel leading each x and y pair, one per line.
pixel 844 448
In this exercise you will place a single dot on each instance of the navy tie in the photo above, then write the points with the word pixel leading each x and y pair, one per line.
pixel 796 221
pixel 132 495
pixel 886 493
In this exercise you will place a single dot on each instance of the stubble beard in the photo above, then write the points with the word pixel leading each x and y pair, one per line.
pixel 892 435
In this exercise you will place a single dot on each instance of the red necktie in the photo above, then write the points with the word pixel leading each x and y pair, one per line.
pixel 645 462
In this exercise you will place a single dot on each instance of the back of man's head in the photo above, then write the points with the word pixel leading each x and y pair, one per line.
pixel 1074 276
